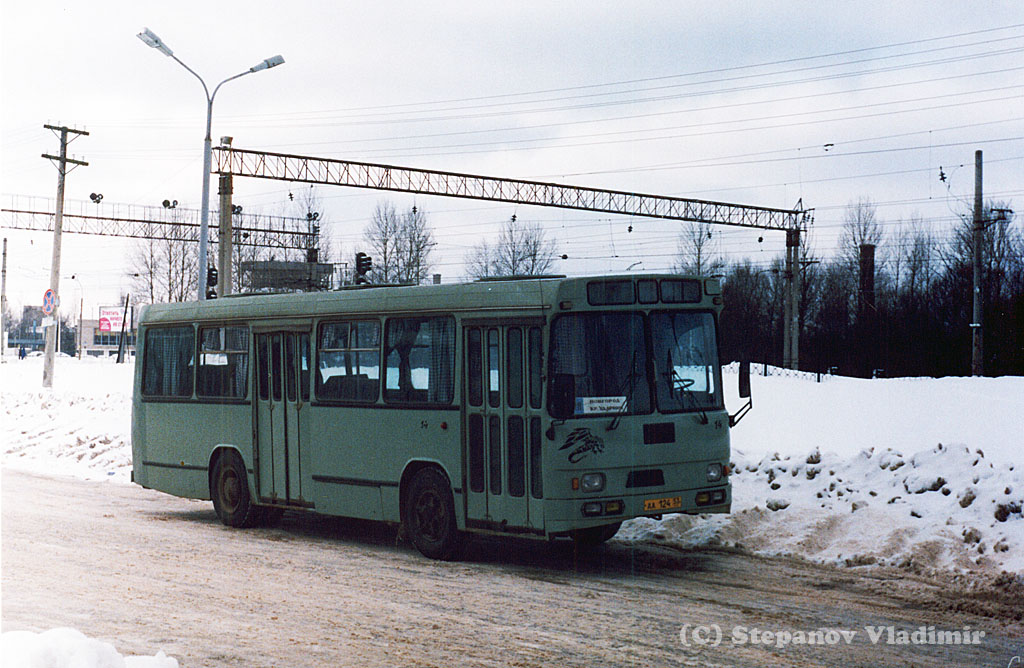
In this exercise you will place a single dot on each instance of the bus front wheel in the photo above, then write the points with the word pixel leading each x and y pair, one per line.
pixel 430 515
pixel 229 489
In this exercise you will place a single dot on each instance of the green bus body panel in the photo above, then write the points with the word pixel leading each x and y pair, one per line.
pixel 351 457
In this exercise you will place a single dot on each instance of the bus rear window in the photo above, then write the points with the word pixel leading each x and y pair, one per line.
pixel 168 363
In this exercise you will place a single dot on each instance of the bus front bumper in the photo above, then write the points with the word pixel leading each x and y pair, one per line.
pixel 567 515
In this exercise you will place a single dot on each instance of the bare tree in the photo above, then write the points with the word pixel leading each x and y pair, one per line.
pixel 913 263
pixel 860 227
pixel 698 251
pixel 144 268
pixel 522 250
pixel 400 245
pixel 480 260
pixel 164 270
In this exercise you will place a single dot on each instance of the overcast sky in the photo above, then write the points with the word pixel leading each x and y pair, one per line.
pixel 759 103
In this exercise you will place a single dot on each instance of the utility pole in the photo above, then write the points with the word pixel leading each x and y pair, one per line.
pixel 977 363
pixel 62 169
pixel 3 308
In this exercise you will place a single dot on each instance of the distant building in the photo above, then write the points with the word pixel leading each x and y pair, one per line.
pixel 99 343
pixel 30 333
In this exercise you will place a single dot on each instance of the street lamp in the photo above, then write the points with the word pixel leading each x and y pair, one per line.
pixel 152 40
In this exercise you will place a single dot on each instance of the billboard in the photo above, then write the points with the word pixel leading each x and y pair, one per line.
pixel 111 319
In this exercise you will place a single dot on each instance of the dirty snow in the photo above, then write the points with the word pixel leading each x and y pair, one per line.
pixel 921 474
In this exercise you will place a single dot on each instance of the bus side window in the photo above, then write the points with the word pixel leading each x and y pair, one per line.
pixel 514 365
pixel 223 362
pixel 493 366
pixel 534 365
pixel 263 368
pixel 275 366
pixel 349 361
pixel 420 358
pixel 474 369
pixel 304 367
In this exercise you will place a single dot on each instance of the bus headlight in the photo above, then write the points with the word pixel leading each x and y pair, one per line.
pixel 714 472
pixel 592 482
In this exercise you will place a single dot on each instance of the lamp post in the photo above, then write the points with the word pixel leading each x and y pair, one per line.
pixel 152 40
pixel 81 305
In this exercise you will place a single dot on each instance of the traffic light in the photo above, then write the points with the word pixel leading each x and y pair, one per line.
pixel 364 265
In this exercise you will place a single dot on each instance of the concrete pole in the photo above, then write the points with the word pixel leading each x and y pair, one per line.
pixel 977 350
pixel 224 250
pixel 3 308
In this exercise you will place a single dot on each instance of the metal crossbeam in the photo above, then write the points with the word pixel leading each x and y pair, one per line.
pixel 146 222
pixel 327 171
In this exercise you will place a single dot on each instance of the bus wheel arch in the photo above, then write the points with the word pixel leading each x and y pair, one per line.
pixel 229 489
pixel 427 508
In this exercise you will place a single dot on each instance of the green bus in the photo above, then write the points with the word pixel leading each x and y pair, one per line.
pixel 540 406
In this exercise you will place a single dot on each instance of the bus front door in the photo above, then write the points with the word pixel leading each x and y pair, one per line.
pixel 281 414
pixel 502 437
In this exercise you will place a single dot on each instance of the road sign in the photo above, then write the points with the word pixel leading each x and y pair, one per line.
pixel 49 301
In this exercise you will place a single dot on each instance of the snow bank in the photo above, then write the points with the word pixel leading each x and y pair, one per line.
pixel 68 648
pixel 947 508
pixel 917 473
pixel 81 427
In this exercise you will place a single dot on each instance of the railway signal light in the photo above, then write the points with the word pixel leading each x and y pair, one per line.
pixel 364 265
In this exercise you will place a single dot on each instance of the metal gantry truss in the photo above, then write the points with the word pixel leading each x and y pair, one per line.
pixel 328 171
pixel 152 222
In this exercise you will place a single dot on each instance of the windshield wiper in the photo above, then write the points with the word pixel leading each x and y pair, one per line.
pixel 631 382
pixel 682 386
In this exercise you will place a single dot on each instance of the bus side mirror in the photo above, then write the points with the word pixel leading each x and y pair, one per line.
pixel 563 395
pixel 744 380
pixel 744 387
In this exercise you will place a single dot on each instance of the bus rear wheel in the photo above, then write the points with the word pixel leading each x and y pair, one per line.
pixel 594 536
pixel 229 489
pixel 430 515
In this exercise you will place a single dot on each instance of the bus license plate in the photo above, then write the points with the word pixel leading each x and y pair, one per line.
pixel 663 504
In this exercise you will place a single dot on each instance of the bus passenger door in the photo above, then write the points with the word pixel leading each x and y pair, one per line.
pixel 281 413
pixel 501 418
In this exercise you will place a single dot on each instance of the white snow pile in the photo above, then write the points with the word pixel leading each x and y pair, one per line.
pixel 68 648
pixel 921 474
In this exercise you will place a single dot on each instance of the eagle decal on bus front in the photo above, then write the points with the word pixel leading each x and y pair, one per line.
pixel 582 441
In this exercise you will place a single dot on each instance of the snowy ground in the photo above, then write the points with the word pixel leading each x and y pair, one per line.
pixel 921 474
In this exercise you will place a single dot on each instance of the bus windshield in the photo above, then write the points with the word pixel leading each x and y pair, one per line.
pixel 599 363
pixel 686 361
